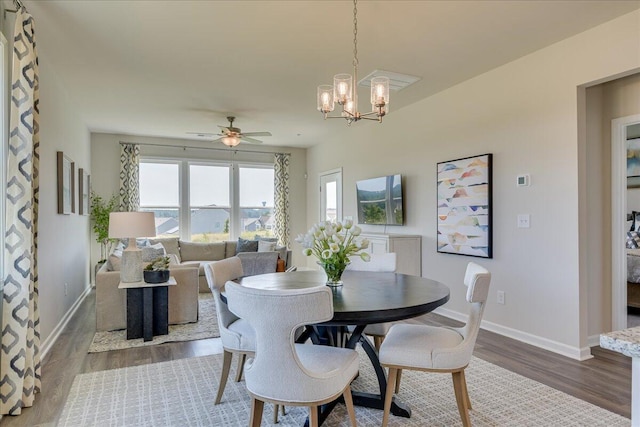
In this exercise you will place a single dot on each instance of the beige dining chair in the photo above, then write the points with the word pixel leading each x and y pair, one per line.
pixel 236 334
pixel 281 371
pixel 438 349
pixel 383 263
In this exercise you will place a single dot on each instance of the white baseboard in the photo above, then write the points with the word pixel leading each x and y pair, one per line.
pixel 544 343
pixel 51 339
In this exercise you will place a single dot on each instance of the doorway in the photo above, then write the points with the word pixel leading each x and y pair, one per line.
pixel 621 129
pixel 331 195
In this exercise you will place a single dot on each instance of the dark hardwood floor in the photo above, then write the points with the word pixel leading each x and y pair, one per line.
pixel 604 380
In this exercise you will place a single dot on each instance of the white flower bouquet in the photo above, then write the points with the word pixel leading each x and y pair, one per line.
pixel 332 244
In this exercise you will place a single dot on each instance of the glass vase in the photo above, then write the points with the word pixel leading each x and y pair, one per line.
pixel 334 273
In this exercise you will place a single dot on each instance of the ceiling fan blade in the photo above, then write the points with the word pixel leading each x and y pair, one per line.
pixel 203 133
pixel 257 134
pixel 217 140
pixel 250 140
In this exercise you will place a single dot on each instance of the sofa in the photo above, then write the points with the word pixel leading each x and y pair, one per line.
pixel 186 265
pixel 197 254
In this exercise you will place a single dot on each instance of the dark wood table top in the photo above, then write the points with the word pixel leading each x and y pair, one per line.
pixel 366 297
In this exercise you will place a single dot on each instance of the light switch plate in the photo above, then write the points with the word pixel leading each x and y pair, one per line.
pixel 523 180
pixel 524 221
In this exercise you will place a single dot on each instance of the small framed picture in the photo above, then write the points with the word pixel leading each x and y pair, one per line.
pixel 83 192
pixel 66 183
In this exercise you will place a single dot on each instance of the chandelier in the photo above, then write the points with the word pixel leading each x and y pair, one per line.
pixel 344 90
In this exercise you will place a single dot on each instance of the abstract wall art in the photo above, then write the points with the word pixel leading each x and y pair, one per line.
pixel 464 206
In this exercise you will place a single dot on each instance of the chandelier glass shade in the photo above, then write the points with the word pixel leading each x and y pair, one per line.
pixel 344 90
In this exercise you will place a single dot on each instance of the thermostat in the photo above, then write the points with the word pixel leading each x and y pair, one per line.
pixel 523 180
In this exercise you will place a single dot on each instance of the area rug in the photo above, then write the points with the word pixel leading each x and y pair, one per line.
pixel 181 393
pixel 205 327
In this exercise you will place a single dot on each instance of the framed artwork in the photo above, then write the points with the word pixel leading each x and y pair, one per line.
pixel 465 206
pixel 66 203
pixel 83 192
pixel 633 163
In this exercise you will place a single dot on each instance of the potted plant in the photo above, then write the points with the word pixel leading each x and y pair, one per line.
pixel 100 210
pixel 157 271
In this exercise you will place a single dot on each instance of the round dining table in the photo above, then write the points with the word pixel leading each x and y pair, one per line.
pixel 364 298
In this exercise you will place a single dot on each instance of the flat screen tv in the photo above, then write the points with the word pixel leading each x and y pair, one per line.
pixel 380 200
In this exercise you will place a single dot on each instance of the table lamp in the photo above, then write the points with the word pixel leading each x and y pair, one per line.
pixel 131 225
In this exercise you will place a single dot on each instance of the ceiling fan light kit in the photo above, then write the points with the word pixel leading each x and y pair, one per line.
pixel 345 93
pixel 232 136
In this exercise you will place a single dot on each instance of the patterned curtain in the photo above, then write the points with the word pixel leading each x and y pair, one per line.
pixel 129 177
pixel 281 197
pixel 20 354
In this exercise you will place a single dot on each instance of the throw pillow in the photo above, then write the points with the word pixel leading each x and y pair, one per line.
pixel 264 246
pixel 633 240
pixel 149 253
pixel 266 239
pixel 246 245
pixel 635 221
pixel 113 263
pixel 170 245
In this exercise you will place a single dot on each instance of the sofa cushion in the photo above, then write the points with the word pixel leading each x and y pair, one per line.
pixel 201 251
pixel 258 262
pixel 246 245
pixel 170 245
pixel 231 248
pixel 152 252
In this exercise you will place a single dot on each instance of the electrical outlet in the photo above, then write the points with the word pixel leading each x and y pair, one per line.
pixel 524 221
pixel 500 297
pixel 66 289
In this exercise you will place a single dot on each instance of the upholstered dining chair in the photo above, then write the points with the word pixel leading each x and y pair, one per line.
pixel 384 263
pixel 236 334
pixel 285 373
pixel 438 349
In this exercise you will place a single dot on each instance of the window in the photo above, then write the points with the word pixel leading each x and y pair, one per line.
pixel 256 201
pixel 207 201
pixel 160 194
pixel 210 205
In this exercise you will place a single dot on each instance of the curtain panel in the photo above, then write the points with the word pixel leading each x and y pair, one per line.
pixel 129 177
pixel 20 367
pixel 281 197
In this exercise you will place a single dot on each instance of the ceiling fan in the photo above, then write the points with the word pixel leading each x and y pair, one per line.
pixel 232 136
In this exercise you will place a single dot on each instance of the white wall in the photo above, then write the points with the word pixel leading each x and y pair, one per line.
pixel 63 240
pixel 105 158
pixel 526 114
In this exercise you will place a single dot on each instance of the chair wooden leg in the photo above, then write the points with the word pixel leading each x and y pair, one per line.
pixel 348 401
pixel 393 373
pixel 313 416
pixel 226 366
pixel 398 381
pixel 276 409
pixel 466 391
pixel 256 412
pixel 241 359
pixel 282 407
pixel 377 342
pixel 461 399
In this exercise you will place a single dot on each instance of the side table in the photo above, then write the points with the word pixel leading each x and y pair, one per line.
pixel 147 308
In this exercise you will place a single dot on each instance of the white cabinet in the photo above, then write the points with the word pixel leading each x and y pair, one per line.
pixel 408 249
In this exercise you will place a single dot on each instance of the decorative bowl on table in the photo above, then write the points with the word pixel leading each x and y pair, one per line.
pixel 156 276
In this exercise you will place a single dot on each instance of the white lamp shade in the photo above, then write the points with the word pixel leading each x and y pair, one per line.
pixel 132 224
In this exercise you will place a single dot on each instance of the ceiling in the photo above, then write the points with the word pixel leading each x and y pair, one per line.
pixel 165 68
